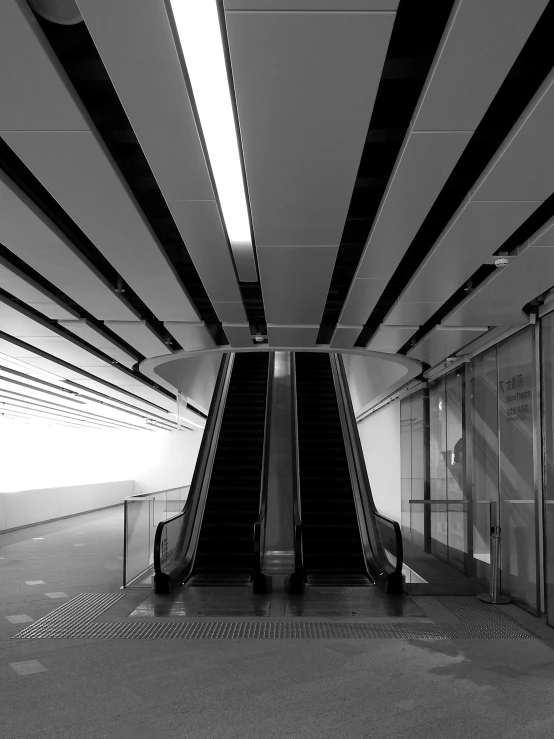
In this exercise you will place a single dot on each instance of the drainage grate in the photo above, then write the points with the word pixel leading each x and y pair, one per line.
pixel 75 620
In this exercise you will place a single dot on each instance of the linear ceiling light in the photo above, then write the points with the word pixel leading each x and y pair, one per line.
pixel 199 32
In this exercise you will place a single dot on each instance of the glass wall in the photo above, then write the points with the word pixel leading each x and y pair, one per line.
pixel 413 435
pixel 484 465
pixel 448 522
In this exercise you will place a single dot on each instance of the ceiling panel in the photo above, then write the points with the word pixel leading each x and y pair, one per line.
pixel 200 226
pixel 18 324
pixel 39 99
pixel 481 36
pixel 286 272
pixel 50 366
pixel 67 351
pixel 523 169
pixel 418 313
pixel 292 335
pixel 191 336
pixel 545 236
pixel 442 341
pixel 140 336
pixel 345 336
pixel 230 312
pixel 498 301
pixel 89 333
pixel 491 335
pixel 152 90
pixel 238 334
pixel 390 338
pixel 421 171
pixel 96 197
pixel 34 239
pixel 24 288
pixel 312 5
pixel 305 85
pixel 362 299
pixel 478 231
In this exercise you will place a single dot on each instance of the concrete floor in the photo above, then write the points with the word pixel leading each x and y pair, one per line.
pixel 244 688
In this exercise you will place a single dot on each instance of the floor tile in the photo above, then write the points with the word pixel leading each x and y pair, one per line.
pixel 19 618
pixel 28 667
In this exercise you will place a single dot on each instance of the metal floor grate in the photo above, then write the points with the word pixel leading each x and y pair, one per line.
pixel 75 620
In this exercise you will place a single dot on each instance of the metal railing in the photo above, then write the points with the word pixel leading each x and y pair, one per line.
pixel 177 538
pixel 262 583
pixel 295 582
pixel 381 536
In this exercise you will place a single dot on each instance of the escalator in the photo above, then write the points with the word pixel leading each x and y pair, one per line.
pixel 211 542
pixel 331 539
pixel 343 539
pixel 225 547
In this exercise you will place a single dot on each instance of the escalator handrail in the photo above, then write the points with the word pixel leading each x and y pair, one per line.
pixel 296 500
pixel 259 525
pixel 202 473
pixel 360 472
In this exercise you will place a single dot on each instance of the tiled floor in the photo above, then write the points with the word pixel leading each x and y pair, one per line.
pixel 238 688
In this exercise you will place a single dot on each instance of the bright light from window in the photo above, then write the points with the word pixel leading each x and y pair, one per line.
pixel 197 23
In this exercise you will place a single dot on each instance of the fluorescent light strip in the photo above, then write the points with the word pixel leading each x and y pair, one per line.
pixel 197 23
pixel 67 412
pixel 30 418
pixel 30 406
pixel 40 415
pixel 71 395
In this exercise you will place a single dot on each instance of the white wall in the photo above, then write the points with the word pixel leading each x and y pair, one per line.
pixel 28 507
pixel 39 456
pixel 380 437
pixel 52 471
pixel 164 460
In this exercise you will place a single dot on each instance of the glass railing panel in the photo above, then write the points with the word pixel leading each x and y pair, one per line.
pixel 143 513
pixel 137 549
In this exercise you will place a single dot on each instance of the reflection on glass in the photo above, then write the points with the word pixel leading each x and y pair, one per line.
pixel 484 427
pixel 454 460
pixel 517 494
pixel 438 459
pixel 547 338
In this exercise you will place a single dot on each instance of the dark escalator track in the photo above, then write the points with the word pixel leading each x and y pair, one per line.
pixel 225 548
pixel 333 551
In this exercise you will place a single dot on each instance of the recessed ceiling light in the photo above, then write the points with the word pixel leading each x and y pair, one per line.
pixel 197 23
